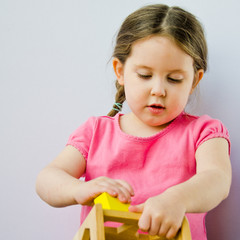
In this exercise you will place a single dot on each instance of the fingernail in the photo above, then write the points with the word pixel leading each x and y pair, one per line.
pixel 123 199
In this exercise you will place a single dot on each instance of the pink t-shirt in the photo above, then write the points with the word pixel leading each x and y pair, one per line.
pixel 150 164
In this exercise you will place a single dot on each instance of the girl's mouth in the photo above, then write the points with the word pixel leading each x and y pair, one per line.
pixel 156 108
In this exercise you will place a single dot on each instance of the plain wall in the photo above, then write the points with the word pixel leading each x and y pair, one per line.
pixel 54 74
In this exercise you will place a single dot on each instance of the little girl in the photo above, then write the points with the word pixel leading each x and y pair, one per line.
pixel 164 161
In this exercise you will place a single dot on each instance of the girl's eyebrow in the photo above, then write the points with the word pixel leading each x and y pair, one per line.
pixel 178 71
pixel 143 66
pixel 169 70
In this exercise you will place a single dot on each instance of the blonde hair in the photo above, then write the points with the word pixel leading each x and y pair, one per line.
pixel 162 20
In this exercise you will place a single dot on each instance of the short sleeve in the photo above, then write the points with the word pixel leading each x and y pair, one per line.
pixel 209 128
pixel 81 138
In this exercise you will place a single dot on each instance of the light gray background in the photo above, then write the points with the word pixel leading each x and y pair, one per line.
pixel 54 74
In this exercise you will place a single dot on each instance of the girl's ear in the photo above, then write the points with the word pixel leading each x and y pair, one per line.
pixel 198 76
pixel 118 69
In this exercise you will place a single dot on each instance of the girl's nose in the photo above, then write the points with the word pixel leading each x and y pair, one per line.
pixel 158 89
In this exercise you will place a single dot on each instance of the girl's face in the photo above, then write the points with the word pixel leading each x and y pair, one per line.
pixel 158 79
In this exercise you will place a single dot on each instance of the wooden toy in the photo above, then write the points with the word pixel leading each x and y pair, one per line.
pixel 111 203
pixel 93 227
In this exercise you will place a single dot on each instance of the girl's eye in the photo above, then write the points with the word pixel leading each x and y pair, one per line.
pixel 173 80
pixel 144 76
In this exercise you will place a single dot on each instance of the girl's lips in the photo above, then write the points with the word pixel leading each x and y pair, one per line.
pixel 156 105
pixel 156 108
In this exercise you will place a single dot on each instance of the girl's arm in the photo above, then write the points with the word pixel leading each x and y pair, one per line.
pixel 58 184
pixel 211 184
pixel 164 213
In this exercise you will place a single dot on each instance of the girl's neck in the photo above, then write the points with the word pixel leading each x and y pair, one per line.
pixel 131 125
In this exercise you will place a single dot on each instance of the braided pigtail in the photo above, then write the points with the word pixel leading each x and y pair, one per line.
pixel 119 100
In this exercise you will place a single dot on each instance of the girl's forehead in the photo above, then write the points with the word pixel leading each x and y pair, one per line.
pixel 158 49
pixel 157 44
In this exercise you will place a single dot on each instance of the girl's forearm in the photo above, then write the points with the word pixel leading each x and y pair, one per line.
pixel 56 187
pixel 59 189
pixel 202 192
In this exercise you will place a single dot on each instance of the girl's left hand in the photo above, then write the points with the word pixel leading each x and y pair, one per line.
pixel 161 215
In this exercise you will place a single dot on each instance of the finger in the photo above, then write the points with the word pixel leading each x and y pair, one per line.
pixel 154 228
pixel 101 185
pixel 127 186
pixel 105 184
pixel 96 191
pixel 144 222
pixel 115 190
pixel 136 208
pixel 172 232
pixel 123 192
pixel 163 230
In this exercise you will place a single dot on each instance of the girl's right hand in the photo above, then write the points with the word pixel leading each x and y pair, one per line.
pixel 88 191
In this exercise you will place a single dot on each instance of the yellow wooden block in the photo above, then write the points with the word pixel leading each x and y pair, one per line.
pixel 111 203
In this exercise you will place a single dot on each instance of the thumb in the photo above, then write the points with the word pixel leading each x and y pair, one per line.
pixel 136 208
